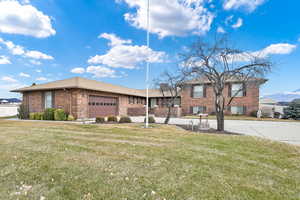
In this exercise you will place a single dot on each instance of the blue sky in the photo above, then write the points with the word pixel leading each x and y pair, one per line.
pixel 48 40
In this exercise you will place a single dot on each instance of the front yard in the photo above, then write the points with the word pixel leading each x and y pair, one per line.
pixel 41 160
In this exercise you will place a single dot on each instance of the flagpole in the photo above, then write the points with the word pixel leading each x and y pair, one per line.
pixel 147 70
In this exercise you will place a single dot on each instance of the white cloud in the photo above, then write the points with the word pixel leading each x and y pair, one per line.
pixel 4 60
pixel 273 49
pixel 11 86
pixel 127 56
pixel 9 79
pixel 114 40
pixel 38 71
pixel 38 55
pixel 24 75
pixel 280 48
pixel 249 5
pixel 25 1
pixel 5 89
pixel 35 62
pixel 14 49
pixel 238 24
pixel 221 30
pixel 16 18
pixel 78 70
pixel 101 72
pixel 21 51
pixel 170 18
pixel 41 79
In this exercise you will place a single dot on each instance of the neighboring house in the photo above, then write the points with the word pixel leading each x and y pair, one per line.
pixel 10 101
pixel 268 107
pixel 85 98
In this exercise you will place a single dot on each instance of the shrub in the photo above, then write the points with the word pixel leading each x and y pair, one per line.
pixel 49 114
pixel 253 113
pixel 32 116
pixel 125 119
pixel 151 120
pixel 23 112
pixel 38 116
pixel 60 115
pixel 277 115
pixel 112 119
pixel 293 111
pixel 71 118
pixel 100 120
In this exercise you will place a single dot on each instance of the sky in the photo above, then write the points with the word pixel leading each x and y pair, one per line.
pixel 105 40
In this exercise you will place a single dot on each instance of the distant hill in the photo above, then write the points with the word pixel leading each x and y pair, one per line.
pixel 284 97
pixel 12 100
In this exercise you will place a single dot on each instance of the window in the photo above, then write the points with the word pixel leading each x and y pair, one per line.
pixel 177 101
pixel 153 102
pixel 48 100
pixel 198 91
pixel 198 109
pixel 237 110
pixel 131 100
pixel 237 90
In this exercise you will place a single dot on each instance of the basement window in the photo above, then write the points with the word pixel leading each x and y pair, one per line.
pixel 237 110
pixel 198 109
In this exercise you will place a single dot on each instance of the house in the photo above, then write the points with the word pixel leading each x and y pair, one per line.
pixel 86 98
pixel 269 107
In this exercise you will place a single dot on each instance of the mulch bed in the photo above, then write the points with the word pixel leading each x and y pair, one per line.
pixel 211 130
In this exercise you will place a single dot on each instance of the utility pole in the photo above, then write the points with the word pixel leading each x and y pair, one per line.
pixel 148 65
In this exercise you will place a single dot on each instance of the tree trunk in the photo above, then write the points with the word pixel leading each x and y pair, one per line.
pixel 219 104
pixel 168 115
pixel 220 120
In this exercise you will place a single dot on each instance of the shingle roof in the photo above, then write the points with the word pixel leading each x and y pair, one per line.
pixel 82 83
pixel 204 80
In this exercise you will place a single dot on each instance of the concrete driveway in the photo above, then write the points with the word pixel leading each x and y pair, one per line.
pixel 280 131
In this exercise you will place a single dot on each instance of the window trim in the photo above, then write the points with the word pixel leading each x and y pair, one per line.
pixel 237 106
pixel 243 90
pixel 203 95
pixel 203 109
pixel 45 99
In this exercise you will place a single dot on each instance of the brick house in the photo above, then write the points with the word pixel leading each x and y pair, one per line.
pixel 84 98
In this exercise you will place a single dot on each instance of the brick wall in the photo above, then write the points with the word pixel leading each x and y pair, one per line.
pixel 136 111
pixel 75 101
pixel 33 101
pixel 251 100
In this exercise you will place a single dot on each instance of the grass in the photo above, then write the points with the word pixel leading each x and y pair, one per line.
pixel 41 160
pixel 243 117
pixel 9 117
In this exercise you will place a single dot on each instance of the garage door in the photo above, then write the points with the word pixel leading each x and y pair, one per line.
pixel 102 106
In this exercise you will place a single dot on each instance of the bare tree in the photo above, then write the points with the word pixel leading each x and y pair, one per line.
pixel 170 86
pixel 220 64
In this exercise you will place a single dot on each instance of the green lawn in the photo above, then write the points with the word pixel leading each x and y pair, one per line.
pixel 44 161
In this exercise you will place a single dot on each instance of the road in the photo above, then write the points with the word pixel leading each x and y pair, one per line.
pixel 288 132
